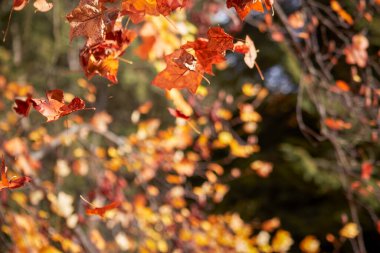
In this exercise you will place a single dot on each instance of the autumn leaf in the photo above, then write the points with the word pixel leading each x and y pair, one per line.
pixel 182 71
pixel 90 19
pixel 241 47
pixel 341 12
pixel 137 9
pixel 101 211
pixel 103 58
pixel 350 230
pixel 147 44
pixel 310 244
pixel 14 182
pixel 212 50
pixel 366 170
pixel 337 124
pixel 219 40
pixel 165 7
pixel 357 52
pixel 251 55
pixel 342 86
pixel 52 108
pixel 205 57
pixel 244 7
pixel 23 107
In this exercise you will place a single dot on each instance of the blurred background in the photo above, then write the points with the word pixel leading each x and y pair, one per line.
pixel 303 169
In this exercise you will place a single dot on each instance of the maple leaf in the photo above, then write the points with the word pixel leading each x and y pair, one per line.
pixel 14 182
pixel 101 211
pixel 23 107
pixel 90 19
pixel 54 106
pixel 212 50
pixel 165 7
pixel 102 58
pixel 182 71
pixel 244 7
pixel 137 9
pixel 206 57
pixel 219 40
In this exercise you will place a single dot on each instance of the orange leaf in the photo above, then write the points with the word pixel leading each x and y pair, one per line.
pixel 165 7
pixel 14 182
pixel 89 19
pixel 337 124
pixel 101 211
pixel 244 7
pixel 54 106
pixel 182 71
pixel 102 58
pixel 137 9
pixel 212 50
pixel 342 85
pixel 341 12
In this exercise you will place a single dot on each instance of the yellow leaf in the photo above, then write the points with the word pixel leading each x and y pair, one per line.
pixel 350 230
pixel 282 241
pixel 310 244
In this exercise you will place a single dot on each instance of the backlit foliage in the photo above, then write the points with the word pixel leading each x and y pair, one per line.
pixel 75 184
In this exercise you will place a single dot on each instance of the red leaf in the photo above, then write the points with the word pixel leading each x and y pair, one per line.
pixel 14 182
pixel 165 7
pixel 219 40
pixel 178 114
pixel 182 71
pixel 367 169
pixel 23 107
pixel 54 106
pixel 91 20
pixel 206 57
pixel 102 58
pixel 244 7
pixel 100 211
pixel 213 50
pixel 19 4
pixel 241 47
